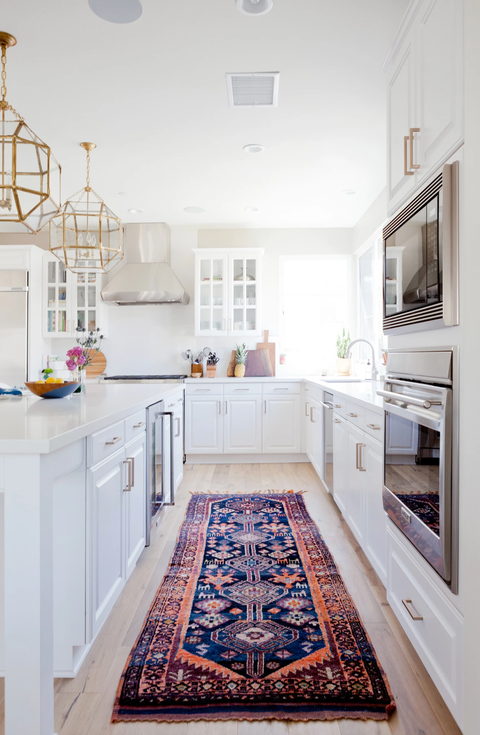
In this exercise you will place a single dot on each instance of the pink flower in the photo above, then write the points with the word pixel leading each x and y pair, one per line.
pixel 71 365
pixel 77 351
pixel 81 360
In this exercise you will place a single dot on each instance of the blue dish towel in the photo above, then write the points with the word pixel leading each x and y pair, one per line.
pixel 10 392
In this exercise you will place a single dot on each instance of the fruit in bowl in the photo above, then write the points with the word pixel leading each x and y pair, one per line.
pixel 52 388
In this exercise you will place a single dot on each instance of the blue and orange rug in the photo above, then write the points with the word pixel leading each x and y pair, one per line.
pixel 252 621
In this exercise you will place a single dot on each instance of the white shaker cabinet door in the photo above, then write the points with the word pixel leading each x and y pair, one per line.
pixel 282 425
pixel 400 112
pixel 355 482
pixel 243 425
pixel 204 422
pixel 318 439
pixel 178 441
pixel 440 82
pixel 135 499
pixel 106 485
pixel 340 478
pixel 375 517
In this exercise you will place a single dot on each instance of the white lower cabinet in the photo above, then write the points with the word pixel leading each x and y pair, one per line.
pixel 135 500
pixel 204 424
pixel 178 432
pixel 106 487
pixel 431 622
pixel 242 425
pixel 355 483
pixel 281 424
pixel 339 464
pixel 316 439
pixel 357 488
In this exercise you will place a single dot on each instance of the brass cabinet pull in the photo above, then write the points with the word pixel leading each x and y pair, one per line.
pixel 405 156
pixel 412 131
pixel 306 409
pixel 129 481
pixel 356 456
pixel 139 426
pixel 337 421
pixel 219 407
pixel 360 462
pixel 311 415
pixel 374 427
pixel 353 415
pixel 115 440
pixel 412 612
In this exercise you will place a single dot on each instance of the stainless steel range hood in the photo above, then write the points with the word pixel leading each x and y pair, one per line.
pixel 147 277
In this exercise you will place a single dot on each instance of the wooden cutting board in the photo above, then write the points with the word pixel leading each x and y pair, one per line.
pixel 270 346
pixel 258 364
pixel 231 366
pixel 97 366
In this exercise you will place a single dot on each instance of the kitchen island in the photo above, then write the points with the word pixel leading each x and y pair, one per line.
pixel 45 447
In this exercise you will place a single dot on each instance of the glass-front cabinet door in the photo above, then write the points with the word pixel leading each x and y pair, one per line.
pixel 87 301
pixel 211 295
pixel 243 316
pixel 58 321
pixel 227 292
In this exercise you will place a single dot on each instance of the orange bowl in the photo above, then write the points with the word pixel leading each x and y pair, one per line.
pixel 52 390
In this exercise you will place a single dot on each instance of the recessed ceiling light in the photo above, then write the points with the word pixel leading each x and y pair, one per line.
pixel 194 210
pixel 253 148
pixel 254 7
pixel 136 211
pixel 350 192
pixel 117 11
pixel 251 209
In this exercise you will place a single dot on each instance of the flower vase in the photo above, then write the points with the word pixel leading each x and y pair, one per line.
pixel 82 379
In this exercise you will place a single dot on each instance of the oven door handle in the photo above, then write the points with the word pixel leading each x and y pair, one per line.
pixel 389 395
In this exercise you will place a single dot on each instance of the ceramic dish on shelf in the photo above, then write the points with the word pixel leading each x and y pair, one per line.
pixel 52 390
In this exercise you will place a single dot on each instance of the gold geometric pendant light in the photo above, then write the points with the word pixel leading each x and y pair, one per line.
pixel 85 235
pixel 29 173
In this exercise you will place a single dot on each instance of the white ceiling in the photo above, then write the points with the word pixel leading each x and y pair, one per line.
pixel 152 95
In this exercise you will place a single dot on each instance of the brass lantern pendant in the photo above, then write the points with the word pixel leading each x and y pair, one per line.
pixel 29 175
pixel 85 235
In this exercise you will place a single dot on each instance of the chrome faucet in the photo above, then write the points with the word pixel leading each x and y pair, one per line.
pixel 349 349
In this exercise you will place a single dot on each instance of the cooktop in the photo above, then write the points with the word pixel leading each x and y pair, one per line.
pixel 145 377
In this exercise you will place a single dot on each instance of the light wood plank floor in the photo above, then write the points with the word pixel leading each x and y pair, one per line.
pixel 83 705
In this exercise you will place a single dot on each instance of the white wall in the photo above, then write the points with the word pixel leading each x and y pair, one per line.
pixel 150 339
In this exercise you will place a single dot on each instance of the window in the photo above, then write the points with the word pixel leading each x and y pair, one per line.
pixel 315 303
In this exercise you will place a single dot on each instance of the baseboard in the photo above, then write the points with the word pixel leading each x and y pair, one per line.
pixel 246 458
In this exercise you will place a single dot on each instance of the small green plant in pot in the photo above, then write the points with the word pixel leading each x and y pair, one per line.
pixel 343 364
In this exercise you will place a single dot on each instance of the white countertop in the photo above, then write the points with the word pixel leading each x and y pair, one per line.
pixel 31 425
pixel 363 392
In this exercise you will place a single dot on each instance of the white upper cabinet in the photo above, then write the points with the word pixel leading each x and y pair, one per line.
pixel 71 300
pixel 425 95
pixel 228 292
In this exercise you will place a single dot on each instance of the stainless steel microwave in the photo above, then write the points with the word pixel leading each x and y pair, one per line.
pixel 420 248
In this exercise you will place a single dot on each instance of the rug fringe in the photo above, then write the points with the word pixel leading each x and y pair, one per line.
pixel 248 492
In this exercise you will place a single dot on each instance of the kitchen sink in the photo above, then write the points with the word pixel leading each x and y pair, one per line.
pixel 340 379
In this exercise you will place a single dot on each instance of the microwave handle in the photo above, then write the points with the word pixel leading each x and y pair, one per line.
pixel 391 396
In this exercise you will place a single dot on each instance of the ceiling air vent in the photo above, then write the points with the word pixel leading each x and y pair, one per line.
pixel 258 89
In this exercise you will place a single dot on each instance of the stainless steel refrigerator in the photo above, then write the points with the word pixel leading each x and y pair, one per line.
pixel 13 327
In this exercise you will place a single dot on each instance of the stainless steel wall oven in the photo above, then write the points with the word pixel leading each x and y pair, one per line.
pixel 420 493
pixel 420 247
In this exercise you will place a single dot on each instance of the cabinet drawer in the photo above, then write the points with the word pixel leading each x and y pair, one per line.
pixel 104 443
pixel 255 389
pixel 192 389
pixel 340 405
pixel 373 424
pixel 433 625
pixel 134 425
pixel 315 392
pixel 281 389
pixel 354 414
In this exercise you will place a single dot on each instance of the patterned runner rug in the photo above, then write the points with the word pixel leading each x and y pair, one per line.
pixel 252 621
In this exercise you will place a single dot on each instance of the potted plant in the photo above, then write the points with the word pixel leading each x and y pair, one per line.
pixel 241 353
pixel 384 355
pixel 79 357
pixel 343 364
pixel 212 361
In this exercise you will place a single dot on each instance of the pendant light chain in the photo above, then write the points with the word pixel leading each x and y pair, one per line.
pixel 88 171
pixel 3 103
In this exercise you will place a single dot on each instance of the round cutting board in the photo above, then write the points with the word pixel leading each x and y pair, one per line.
pixel 97 366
